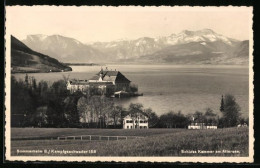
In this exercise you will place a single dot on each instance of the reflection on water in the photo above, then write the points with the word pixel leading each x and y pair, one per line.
pixel 187 88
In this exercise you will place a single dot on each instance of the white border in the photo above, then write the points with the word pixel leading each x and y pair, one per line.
pixel 131 159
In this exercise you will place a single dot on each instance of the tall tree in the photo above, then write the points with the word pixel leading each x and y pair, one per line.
pixel 231 111
pixel 222 104
pixel 83 109
pixel 116 113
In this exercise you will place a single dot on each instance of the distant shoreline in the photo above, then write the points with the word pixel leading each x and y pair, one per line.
pixel 81 64
pixel 35 70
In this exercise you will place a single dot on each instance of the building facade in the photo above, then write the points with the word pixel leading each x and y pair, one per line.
pixel 140 121
pixel 197 125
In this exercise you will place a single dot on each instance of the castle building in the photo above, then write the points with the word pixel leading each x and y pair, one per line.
pixel 120 82
pixel 105 81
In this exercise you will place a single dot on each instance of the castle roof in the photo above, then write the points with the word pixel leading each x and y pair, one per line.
pixel 112 76
pixel 85 82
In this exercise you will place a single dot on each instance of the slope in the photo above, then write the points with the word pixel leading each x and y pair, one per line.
pixel 23 59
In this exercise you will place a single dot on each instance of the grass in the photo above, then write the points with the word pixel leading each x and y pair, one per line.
pixel 55 132
pixel 156 142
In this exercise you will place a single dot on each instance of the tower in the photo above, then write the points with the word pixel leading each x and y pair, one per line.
pixel 101 75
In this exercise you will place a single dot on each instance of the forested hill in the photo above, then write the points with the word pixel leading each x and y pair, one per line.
pixel 24 59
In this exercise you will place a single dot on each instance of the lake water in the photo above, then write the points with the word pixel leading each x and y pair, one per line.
pixel 187 88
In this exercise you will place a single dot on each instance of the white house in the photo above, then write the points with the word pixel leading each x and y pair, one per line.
pixel 195 125
pixel 140 121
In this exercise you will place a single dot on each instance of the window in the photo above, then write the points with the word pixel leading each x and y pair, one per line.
pixel 127 127
pixel 131 127
pixel 141 127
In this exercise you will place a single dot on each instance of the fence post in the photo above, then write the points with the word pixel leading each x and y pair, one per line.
pixel 100 138
pixel 74 137
pixel 117 138
pixel 58 138
pixel 108 138
pixel 80 137
pixel 90 137
pixel 126 138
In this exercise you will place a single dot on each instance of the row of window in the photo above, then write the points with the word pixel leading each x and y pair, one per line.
pixel 141 121
pixel 131 127
pixel 202 124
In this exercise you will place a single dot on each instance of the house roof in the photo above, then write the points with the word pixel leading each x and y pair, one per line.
pixel 112 76
pixel 100 83
pixel 78 82
pixel 127 114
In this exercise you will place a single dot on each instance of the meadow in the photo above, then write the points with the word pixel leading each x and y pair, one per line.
pixel 155 142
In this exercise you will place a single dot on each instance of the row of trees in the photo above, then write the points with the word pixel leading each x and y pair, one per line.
pixel 43 105
pixel 39 104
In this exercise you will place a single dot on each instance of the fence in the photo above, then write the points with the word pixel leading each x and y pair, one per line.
pixel 97 137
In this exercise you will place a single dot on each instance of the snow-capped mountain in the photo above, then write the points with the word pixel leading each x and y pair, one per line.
pixel 63 48
pixel 187 36
pixel 129 49
pixel 202 46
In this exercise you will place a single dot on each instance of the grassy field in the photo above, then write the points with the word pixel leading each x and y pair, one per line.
pixel 55 132
pixel 156 142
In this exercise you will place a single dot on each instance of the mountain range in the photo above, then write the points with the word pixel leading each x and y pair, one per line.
pixel 187 47
pixel 24 59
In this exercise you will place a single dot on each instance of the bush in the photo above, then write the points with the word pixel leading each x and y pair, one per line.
pixel 133 88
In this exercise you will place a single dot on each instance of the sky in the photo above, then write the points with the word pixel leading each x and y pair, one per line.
pixel 92 24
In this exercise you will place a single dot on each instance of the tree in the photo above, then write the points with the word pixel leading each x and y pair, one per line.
pixel 70 109
pixel 167 120
pixel 222 104
pixel 40 118
pixel 116 113
pixel 83 109
pixel 133 88
pixel 231 111
pixel 199 117
pixel 135 110
pixel 26 80
pixel 181 120
pixel 107 108
pixel 153 119
pixel 210 117
pixel 22 102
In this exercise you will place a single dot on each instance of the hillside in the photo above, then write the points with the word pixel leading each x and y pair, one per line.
pixel 202 52
pixel 24 59
pixel 65 49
